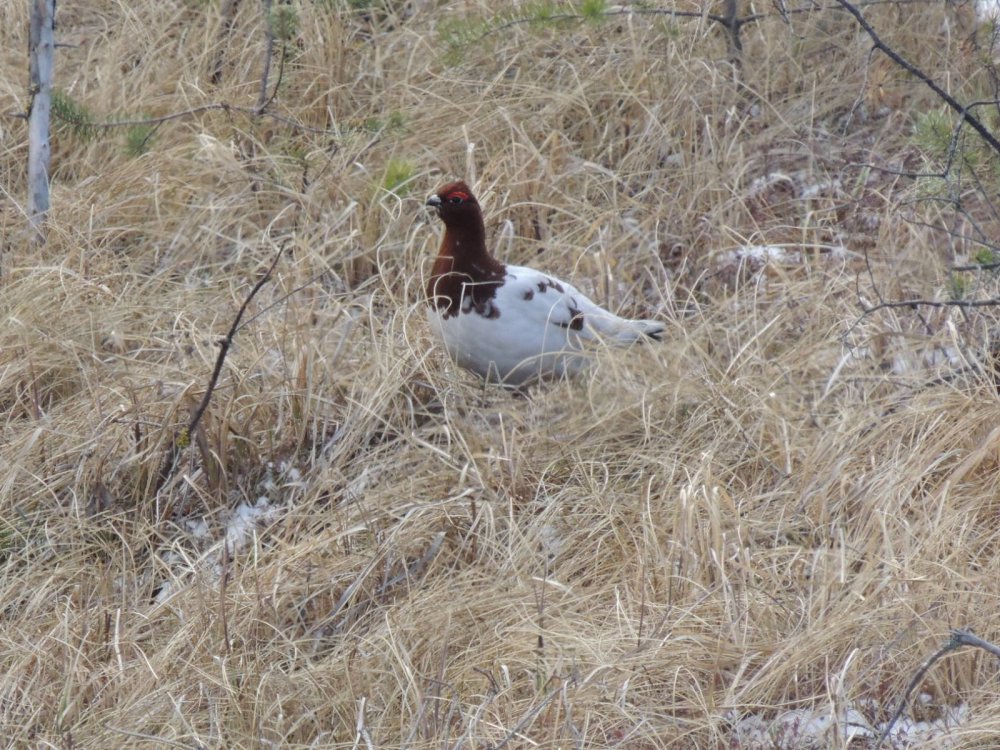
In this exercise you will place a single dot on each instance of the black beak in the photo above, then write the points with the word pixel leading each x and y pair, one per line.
pixel 434 202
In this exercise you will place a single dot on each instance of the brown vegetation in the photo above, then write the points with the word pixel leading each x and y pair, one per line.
pixel 777 508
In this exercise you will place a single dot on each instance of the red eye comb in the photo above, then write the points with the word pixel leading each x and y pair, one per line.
pixel 458 194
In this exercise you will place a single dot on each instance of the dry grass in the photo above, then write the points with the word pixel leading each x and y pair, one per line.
pixel 739 522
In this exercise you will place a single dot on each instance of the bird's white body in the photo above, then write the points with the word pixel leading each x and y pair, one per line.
pixel 534 326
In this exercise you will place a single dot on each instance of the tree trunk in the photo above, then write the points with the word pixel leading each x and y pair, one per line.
pixel 41 50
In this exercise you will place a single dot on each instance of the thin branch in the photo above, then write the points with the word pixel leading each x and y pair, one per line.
pixel 280 300
pixel 977 267
pixel 871 277
pixel 968 638
pixel 224 106
pixel 227 342
pixel 170 461
pixel 277 84
pixel 947 648
pixel 958 639
pixel 962 110
pixel 557 17
pixel 861 95
pixel 917 303
pixel 732 24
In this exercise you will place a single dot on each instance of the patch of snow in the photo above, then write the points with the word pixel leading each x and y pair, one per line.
pixel 761 254
pixel 765 182
pixel 197 527
pixel 280 476
pixel 802 183
pixel 939 733
pixel 802 729
pixel 820 188
pixel 551 540
pixel 750 732
pixel 241 526
pixel 244 522
pixel 904 362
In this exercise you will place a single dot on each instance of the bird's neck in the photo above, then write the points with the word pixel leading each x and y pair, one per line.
pixel 463 251
pixel 462 259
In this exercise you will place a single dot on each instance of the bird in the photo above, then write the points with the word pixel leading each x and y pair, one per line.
pixel 510 324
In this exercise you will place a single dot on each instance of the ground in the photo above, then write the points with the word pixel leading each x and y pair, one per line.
pixel 752 534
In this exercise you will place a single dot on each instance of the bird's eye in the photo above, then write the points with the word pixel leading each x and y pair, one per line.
pixel 454 200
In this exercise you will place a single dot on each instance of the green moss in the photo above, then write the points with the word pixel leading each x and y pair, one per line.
pixel 138 138
pixel 459 34
pixel 394 122
pixel 398 175
pixel 593 10
pixel 985 257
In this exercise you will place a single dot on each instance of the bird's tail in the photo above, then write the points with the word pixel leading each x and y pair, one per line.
pixel 625 331
pixel 640 330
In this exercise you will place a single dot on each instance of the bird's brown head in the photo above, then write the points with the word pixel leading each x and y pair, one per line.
pixel 464 272
pixel 456 205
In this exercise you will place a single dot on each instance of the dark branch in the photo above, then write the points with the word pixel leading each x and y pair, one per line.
pixel 225 107
pixel 227 342
pixel 227 15
pixel 914 304
pixel 958 639
pixel 262 109
pixel 730 21
pixel 977 267
pixel 170 461
pixel 963 111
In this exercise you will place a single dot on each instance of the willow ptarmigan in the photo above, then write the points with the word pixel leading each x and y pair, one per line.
pixel 510 324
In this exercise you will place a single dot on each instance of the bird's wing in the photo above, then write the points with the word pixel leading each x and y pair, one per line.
pixel 543 300
pixel 537 299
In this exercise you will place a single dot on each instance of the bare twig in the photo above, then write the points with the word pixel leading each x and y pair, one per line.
pixel 881 299
pixel 733 23
pixel 962 110
pixel 227 342
pixel 968 638
pixel 277 84
pixel 959 638
pixel 730 24
pixel 224 106
pixel 977 267
pixel 170 462
pixel 917 303
pixel 280 300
